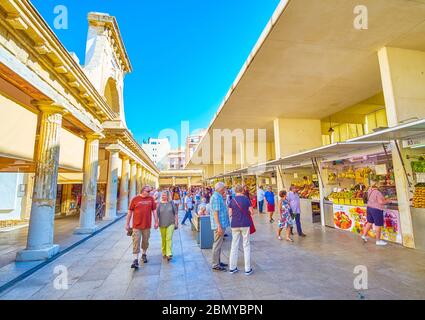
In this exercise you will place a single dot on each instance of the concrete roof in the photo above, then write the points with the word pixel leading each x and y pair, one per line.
pixel 311 62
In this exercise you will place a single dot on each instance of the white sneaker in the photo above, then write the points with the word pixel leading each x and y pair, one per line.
pixel 381 243
pixel 364 238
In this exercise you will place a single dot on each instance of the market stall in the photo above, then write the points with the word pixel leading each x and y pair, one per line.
pixel 306 182
pixel 349 179
pixel 409 139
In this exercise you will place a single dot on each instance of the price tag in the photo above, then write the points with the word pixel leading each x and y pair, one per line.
pixel 381 169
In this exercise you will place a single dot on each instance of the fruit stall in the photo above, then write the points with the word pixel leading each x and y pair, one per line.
pixel 251 182
pixel 416 157
pixel 305 180
pixel 409 141
pixel 349 179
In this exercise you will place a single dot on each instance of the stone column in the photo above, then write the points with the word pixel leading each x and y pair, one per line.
pixel 189 182
pixel 123 196
pixel 139 179
pixel 133 184
pixel 88 201
pixel 174 181
pixel 403 85
pixel 112 187
pixel 41 226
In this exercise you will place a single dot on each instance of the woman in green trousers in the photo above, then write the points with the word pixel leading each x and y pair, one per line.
pixel 168 222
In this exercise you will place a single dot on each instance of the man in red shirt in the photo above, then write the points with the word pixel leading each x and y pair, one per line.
pixel 141 209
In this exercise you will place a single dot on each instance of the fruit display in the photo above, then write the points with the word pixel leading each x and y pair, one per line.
pixel 419 196
pixel 251 183
pixel 359 216
pixel 347 197
pixel 349 174
pixel 342 220
pixel 418 166
pixel 309 192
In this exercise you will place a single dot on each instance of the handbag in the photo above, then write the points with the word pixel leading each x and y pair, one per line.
pixel 251 226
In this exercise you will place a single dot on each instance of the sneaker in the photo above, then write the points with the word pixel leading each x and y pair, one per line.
pixel 364 238
pixel 135 264
pixel 144 258
pixel 224 265
pixel 302 235
pixel 381 243
pixel 279 238
pixel 234 270
pixel 248 273
pixel 219 268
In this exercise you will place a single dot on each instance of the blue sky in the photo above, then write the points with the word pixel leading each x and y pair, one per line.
pixel 185 53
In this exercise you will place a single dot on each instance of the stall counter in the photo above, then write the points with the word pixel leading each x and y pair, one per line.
pixel 418 222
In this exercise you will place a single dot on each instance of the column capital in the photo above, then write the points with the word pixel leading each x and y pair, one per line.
pixel 95 136
pixel 133 162
pixel 113 148
pixel 49 106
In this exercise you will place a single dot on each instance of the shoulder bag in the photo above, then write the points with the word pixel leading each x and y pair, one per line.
pixel 251 226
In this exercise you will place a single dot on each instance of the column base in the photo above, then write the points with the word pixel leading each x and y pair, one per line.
pixel 88 230
pixel 109 218
pixel 37 254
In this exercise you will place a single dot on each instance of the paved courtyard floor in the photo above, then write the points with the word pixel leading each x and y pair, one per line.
pixel 319 266
pixel 15 240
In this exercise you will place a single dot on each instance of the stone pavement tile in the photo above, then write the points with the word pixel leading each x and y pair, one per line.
pixel 195 279
pixel 172 274
pixel 205 294
pixel 144 288
pixel 172 287
pixel 147 270
pixel 48 292
pixel 20 292
pixel 237 293
pixel 110 292
pixel 380 294
pixel 95 273
pixel 178 296
pixel 82 290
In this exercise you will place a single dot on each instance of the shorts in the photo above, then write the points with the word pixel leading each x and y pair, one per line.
pixel 140 236
pixel 270 207
pixel 375 216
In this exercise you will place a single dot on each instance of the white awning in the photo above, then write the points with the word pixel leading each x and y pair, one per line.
pixel 340 149
pixel 405 131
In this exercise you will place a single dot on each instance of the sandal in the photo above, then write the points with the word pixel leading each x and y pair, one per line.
pixel 289 240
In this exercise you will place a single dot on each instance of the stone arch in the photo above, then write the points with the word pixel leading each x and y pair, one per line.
pixel 112 96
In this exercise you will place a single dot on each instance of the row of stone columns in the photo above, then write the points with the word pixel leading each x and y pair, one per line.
pixel 40 244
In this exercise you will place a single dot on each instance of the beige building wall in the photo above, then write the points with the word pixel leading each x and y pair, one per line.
pixel 71 151
pixel 19 131
pixel 295 135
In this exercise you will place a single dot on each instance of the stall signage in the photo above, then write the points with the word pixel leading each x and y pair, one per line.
pixel 414 143
pixel 381 169
pixel 353 219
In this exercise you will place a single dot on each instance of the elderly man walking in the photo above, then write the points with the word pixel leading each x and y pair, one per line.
pixel 140 212
pixel 219 222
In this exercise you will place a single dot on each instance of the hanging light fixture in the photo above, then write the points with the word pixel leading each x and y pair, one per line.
pixel 331 130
